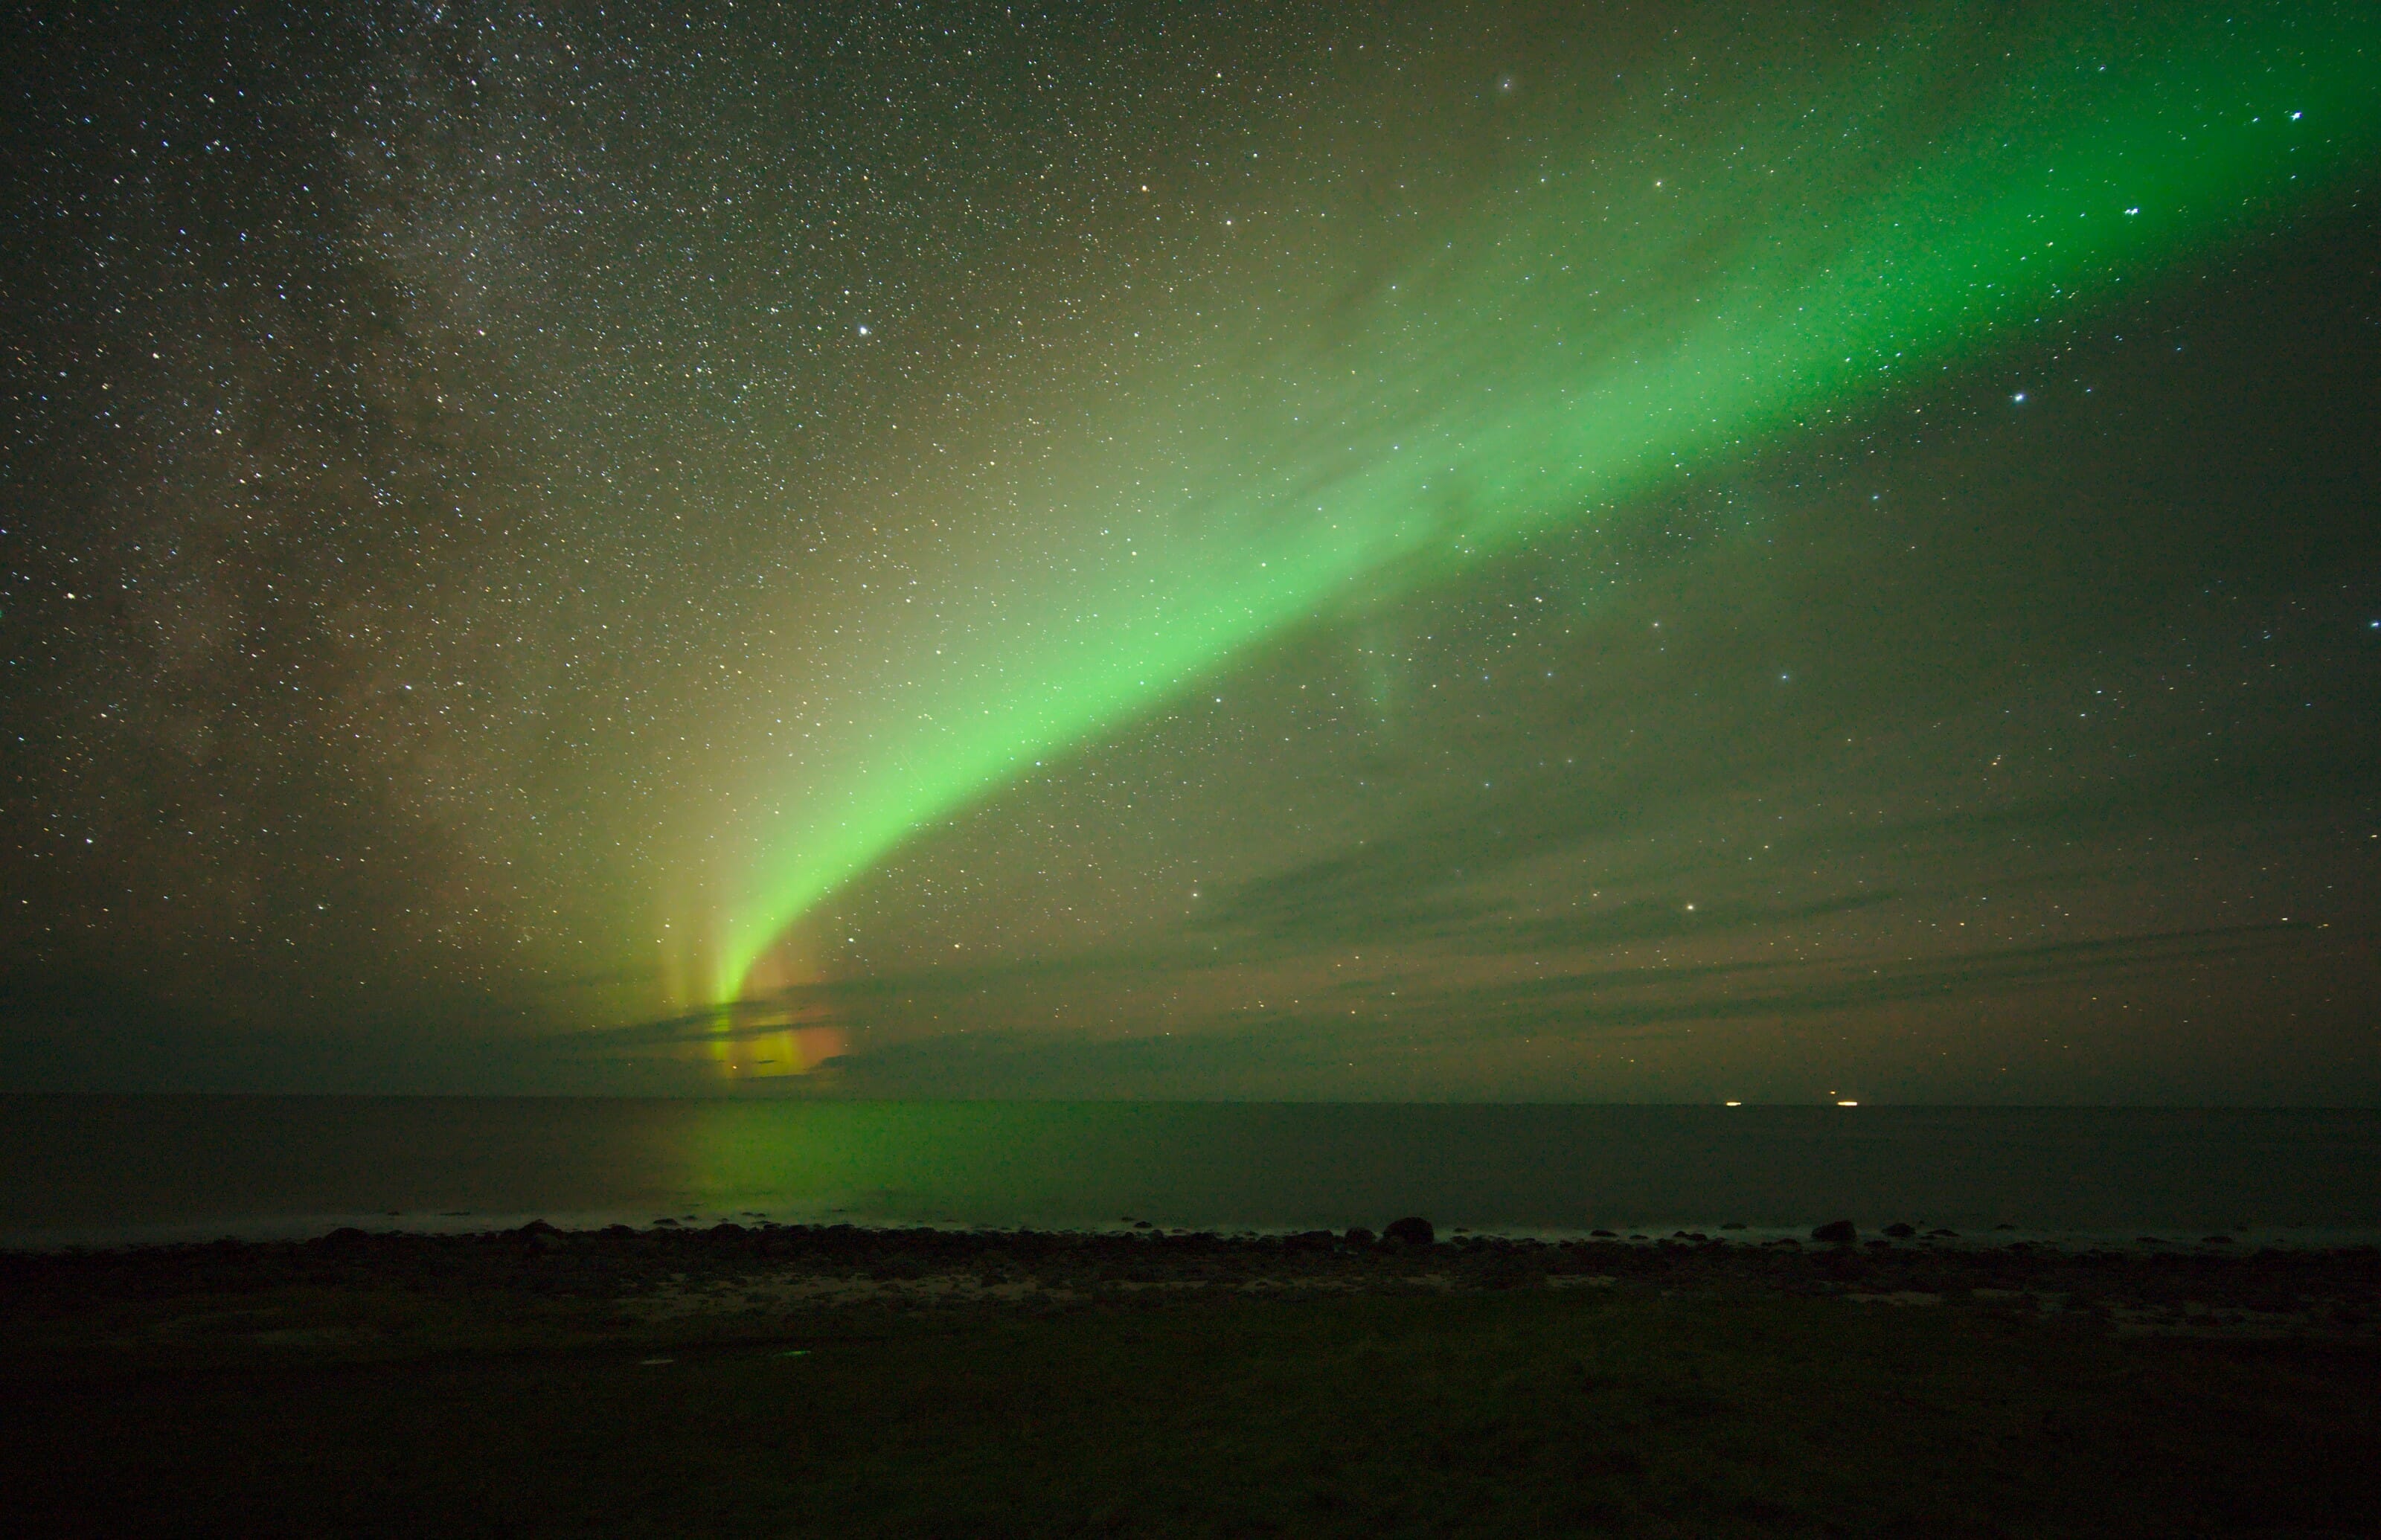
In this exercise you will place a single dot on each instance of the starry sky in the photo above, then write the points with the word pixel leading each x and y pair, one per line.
pixel 1656 553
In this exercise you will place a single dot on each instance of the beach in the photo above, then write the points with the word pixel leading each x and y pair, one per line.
pixel 737 1379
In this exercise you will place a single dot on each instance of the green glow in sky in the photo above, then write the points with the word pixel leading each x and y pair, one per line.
pixel 1656 297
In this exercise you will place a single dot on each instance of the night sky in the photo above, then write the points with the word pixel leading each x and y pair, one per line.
pixel 1565 551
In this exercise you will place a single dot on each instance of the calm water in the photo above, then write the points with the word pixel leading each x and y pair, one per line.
pixel 98 1168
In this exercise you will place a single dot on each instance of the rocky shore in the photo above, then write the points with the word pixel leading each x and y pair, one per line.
pixel 755 1274
pixel 762 1379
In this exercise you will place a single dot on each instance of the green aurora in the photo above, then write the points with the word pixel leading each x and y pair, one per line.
pixel 1655 550
pixel 1634 309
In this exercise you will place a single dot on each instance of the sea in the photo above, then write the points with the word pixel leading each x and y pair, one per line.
pixel 83 1170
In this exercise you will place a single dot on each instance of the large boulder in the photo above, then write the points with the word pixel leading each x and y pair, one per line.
pixel 1837 1232
pixel 1413 1230
pixel 540 1236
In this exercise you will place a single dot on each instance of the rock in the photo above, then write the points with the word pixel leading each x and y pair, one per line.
pixel 1513 1272
pixel 1413 1230
pixel 1603 1235
pixel 540 1236
pixel 1837 1232
pixel 1358 1236
pixel 1901 1231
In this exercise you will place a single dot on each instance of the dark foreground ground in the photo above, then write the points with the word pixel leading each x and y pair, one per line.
pixel 785 1381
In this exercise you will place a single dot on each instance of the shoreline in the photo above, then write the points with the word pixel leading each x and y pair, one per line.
pixel 281 1228
pixel 733 1379
pixel 736 1275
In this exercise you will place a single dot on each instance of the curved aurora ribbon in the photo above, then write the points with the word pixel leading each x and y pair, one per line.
pixel 1567 347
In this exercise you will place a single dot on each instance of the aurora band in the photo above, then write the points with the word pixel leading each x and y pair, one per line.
pixel 1554 353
